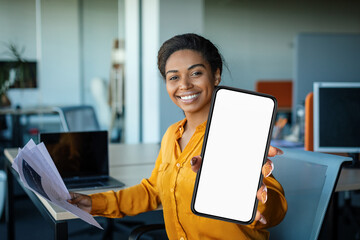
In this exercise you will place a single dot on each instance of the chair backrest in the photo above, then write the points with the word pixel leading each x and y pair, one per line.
pixel 309 122
pixel 280 89
pixel 78 118
pixel 2 190
pixel 309 180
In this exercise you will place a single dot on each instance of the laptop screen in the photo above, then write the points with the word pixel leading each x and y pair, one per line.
pixel 78 154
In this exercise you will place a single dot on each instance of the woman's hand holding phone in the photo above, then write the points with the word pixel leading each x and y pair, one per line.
pixel 267 169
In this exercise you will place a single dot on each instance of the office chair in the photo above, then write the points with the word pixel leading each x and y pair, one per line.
pixel 309 180
pixel 309 146
pixel 78 118
pixel 2 192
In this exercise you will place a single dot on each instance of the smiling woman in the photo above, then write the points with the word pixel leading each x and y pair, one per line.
pixel 190 83
pixel 191 66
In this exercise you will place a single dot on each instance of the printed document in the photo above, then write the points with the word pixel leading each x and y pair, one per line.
pixel 38 173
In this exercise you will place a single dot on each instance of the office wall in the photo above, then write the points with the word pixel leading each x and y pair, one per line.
pixel 99 30
pixel 257 37
pixel 99 26
pixel 325 58
pixel 17 25
pixel 60 53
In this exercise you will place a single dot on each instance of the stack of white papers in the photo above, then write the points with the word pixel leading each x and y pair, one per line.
pixel 38 173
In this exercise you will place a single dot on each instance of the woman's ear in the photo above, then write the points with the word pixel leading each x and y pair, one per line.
pixel 217 76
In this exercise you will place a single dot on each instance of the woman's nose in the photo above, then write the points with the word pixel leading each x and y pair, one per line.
pixel 185 83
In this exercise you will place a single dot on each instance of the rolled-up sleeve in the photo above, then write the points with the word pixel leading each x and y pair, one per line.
pixel 129 201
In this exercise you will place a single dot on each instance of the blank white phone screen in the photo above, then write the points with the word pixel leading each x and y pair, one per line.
pixel 234 154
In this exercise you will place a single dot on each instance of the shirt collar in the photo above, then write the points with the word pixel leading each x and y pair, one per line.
pixel 201 126
pixel 180 127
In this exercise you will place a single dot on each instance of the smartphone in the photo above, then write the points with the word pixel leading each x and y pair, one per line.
pixel 235 147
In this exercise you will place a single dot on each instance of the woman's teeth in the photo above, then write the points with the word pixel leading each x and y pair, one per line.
pixel 189 97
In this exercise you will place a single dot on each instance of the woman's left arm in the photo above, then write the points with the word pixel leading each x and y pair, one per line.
pixel 272 204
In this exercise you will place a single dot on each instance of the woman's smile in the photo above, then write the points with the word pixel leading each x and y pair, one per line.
pixel 189 98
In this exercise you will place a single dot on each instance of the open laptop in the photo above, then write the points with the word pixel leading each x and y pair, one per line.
pixel 82 158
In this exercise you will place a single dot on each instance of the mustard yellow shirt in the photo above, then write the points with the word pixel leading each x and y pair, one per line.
pixel 171 184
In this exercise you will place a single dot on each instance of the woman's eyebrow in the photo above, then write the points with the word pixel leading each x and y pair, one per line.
pixel 171 71
pixel 189 68
pixel 196 65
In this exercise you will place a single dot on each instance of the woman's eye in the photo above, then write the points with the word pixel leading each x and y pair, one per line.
pixel 196 73
pixel 173 78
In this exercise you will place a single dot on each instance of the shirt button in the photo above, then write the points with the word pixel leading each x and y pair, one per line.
pixel 178 164
pixel 171 190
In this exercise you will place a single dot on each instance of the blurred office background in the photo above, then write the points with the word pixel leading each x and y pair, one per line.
pixel 72 44
pixel 72 41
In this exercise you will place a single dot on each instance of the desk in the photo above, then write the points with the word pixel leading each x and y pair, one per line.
pixel 349 180
pixel 16 114
pixel 128 162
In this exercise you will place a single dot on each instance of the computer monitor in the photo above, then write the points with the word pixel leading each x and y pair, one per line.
pixel 337 117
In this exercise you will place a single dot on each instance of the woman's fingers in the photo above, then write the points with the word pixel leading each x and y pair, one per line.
pixel 74 195
pixel 262 194
pixel 195 163
pixel 267 168
pixel 75 198
pixel 81 201
pixel 273 151
pixel 260 218
pixel 266 171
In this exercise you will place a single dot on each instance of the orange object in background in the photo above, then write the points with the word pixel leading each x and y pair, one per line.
pixel 280 89
pixel 309 122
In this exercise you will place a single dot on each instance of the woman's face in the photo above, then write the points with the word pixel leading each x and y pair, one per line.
pixel 190 81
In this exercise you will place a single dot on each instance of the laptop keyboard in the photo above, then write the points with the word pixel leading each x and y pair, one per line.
pixel 84 184
pixel 87 183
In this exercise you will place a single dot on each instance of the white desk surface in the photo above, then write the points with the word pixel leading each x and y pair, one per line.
pixel 27 110
pixel 349 180
pixel 129 163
